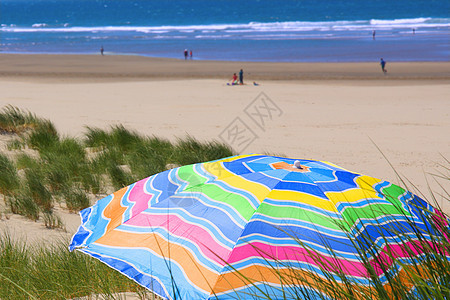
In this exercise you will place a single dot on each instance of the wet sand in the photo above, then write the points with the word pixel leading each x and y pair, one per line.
pixel 130 68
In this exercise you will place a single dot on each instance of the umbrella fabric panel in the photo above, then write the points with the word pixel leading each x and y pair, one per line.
pixel 272 224
pixel 146 280
pixel 236 225
pixel 117 208
pixel 223 192
pixel 192 228
pixel 152 254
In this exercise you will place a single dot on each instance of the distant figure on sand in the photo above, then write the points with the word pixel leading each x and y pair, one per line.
pixel 102 50
pixel 241 77
pixel 383 65
pixel 373 34
pixel 234 80
pixel 185 54
pixel 190 54
pixel 414 31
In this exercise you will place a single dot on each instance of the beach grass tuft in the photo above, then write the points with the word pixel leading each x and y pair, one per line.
pixel 23 204
pixel 150 157
pixel 96 138
pixel 119 175
pixel 43 136
pixel 15 120
pixel 75 198
pixel 38 189
pixel 190 151
pixel 118 136
pixel 52 220
pixel 9 180
pixel 41 272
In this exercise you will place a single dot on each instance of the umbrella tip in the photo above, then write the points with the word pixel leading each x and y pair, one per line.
pixel 297 164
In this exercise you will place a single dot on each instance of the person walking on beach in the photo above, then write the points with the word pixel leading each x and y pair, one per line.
pixel 241 77
pixel 373 35
pixel 185 54
pixel 102 50
pixel 190 54
pixel 383 65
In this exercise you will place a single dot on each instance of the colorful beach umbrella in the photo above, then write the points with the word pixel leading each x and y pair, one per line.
pixel 257 226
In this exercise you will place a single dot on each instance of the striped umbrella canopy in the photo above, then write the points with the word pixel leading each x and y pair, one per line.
pixel 258 226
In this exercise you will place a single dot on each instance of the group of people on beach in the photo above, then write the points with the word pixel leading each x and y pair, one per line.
pixel 235 80
pixel 187 54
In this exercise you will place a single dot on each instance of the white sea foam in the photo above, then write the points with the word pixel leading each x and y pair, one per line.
pixel 400 21
pixel 99 38
pixel 213 36
pixel 158 31
pixel 39 25
pixel 169 37
pixel 281 27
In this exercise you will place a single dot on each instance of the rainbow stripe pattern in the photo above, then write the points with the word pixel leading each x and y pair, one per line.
pixel 195 232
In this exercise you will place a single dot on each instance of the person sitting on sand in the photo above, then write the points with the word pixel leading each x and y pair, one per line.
pixel 234 80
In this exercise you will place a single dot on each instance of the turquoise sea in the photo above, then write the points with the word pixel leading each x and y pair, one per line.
pixel 256 30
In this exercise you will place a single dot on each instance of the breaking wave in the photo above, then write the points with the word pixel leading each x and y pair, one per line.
pixel 256 27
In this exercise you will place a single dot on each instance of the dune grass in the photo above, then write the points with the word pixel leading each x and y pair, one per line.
pixel 49 169
pixel 190 151
pixel 15 120
pixel 55 273
pixel 9 180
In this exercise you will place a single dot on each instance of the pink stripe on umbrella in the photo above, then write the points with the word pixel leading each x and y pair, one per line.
pixel 139 197
pixel 180 228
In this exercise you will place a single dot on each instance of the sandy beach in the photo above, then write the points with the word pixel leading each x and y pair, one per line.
pixel 94 68
pixel 335 112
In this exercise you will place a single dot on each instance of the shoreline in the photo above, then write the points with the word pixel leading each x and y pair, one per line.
pixel 118 54
pixel 85 67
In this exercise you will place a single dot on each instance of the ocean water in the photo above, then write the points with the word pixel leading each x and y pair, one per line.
pixel 255 30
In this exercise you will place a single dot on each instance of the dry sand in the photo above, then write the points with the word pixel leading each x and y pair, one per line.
pixel 333 112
